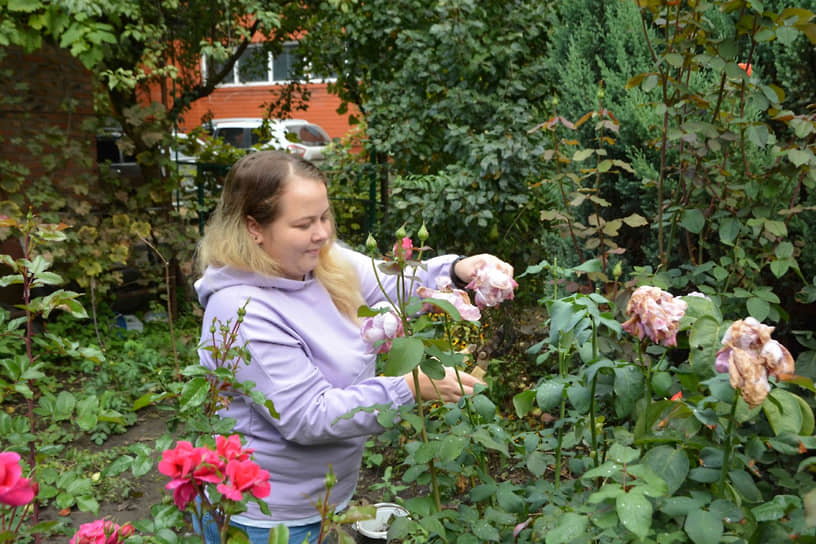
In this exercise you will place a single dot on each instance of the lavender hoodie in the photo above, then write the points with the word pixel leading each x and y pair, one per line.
pixel 310 361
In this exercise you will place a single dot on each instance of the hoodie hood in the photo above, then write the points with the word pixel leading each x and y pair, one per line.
pixel 222 277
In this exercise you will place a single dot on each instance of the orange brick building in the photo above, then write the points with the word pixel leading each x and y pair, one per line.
pixel 248 101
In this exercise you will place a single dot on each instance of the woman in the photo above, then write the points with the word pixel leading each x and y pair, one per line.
pixel 271 241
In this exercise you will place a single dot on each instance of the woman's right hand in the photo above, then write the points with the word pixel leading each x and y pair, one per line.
pixel 447 389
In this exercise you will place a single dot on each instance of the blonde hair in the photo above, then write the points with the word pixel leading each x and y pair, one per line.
pixel 253 188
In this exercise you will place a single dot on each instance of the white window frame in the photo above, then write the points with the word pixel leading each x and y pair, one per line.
pixel 288 47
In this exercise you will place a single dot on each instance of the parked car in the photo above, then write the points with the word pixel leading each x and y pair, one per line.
pixel 122 164
pixel 297 136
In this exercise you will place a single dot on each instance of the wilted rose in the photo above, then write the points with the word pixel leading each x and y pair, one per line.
pixel 492 285
pixel 14 489
pixel 458 298
pixel 654 313
pixel 749 355
pixel 383 327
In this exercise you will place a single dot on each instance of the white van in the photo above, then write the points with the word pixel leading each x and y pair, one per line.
pixel 297 136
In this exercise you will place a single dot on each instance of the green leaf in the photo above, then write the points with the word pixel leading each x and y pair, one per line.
pixel 628 388
pixel 757 135
pixel 118 466
pixel 729 229
pixel 451 447
pixel 669 463
pixel 776 508
pixel 523 402
pixel 194 393
pixel 704 341
pixel 570 527
pixel 484 407
pixel 780 267
pixel 404 356
pixel 758 308
pixel 86 412
pixel 485 532
pixel 745 485
pixel 674 59
pixel 800 156
pixel 549 393
pixel 703 527
pixel 635 512
pixel 64 407
pixel 87 503
pixel 784 250
pixel 537 463
pixel 785 414
pixel 693 220
pixel 141 465
pixel 582 155
pixel 623 455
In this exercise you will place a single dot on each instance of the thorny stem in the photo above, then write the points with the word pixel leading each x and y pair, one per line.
pixel 28 279
pixel 729 440
pixel 166 264
pixel 424 434
pixel 562 366
pixel 93 314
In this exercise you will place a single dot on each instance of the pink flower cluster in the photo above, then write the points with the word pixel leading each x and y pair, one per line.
pixel 750 356
pixel 383 327
pixel 102 532
pixel 492 285
pixel 457 297
pixel 14 489
pixel 654 313
pixel 229 467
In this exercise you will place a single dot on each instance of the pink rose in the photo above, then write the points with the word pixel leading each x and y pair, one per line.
pixel 654 313
pixel 14 489
pixel 458 298
pixel 184 491
pixel 383 327
pixel 245 476
pixel 492 285
pixel 211 467
pixel 179 462
pixel 403 249
pixel 102 532
pixel 230 448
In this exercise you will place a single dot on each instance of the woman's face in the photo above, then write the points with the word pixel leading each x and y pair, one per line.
pixel 304 225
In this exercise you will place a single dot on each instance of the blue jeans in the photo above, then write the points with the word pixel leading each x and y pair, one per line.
pixel 258 535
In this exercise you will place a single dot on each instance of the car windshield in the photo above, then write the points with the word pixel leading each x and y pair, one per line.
pixel 309 135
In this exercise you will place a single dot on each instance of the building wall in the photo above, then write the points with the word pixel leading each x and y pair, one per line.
pixel 44 96
pixel 249 100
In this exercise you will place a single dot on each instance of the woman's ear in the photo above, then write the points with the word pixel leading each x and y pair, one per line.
pixel 254 229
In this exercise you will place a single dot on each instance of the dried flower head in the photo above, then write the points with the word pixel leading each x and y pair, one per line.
pixel 654 313
pixel 749 355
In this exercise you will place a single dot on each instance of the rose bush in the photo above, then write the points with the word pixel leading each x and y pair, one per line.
pixel 228 469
